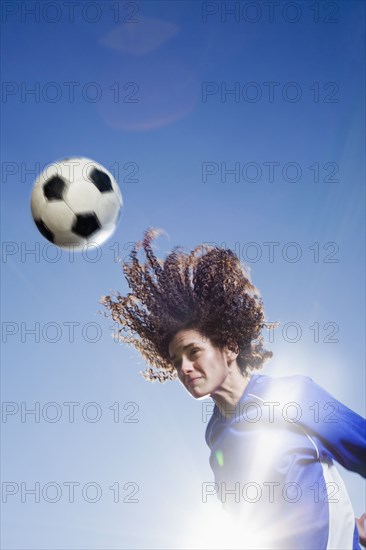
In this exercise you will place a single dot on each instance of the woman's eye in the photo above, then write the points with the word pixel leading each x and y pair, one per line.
pixel 177 364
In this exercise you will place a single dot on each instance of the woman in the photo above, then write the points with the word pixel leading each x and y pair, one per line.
pixel 272 441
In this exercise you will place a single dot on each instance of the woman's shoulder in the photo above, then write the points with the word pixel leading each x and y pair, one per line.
pixel 264 386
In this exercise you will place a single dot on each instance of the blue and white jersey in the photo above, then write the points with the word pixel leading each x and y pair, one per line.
pixel 273 464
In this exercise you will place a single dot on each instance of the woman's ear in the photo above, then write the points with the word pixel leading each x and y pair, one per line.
pixel 230 355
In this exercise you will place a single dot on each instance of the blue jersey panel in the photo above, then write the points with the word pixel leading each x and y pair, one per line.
pixel 273 463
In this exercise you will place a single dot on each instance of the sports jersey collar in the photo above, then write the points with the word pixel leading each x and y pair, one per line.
pixel 218 417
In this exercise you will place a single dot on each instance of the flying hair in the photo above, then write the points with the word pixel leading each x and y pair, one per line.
pixel 207 289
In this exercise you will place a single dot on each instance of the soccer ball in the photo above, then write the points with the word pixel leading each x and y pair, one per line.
pixel 76 201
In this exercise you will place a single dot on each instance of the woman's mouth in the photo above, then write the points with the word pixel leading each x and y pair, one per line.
pixel 194 380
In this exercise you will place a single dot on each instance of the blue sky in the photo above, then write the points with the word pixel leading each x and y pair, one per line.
pixel 171 97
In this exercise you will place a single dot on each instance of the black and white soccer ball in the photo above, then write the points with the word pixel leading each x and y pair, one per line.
pixel 76 201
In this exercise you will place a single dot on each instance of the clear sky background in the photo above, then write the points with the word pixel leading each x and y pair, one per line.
pixel 144 89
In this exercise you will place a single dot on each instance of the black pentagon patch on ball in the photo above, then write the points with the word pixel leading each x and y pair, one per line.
pixel 101 180
pixel 54 188
pixel 86 224
pixel 45 231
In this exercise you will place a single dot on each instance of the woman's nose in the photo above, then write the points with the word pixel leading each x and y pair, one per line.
pixel 187 365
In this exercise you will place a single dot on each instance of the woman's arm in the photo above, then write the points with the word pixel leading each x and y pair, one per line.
pixel 360 522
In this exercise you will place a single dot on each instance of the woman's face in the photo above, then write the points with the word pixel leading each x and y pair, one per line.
pixel 201 367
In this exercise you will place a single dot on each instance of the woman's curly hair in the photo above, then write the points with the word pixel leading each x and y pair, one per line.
pixel 207 289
